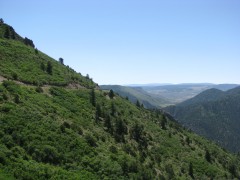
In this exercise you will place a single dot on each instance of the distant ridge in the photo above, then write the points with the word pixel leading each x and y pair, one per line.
pixel 214 114
pixel 135 94
pixel 177 93
pixel 150 84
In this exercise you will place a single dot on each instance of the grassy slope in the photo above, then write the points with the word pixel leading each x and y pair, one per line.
pixel 55 134
pixel 23 63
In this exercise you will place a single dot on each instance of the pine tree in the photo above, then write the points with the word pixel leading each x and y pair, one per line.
pixel 12 32
pixel 61 60
pixel 108 124
pixel 49 68
pixel 43 66
pixel 7 33
pixel 113 109
pixel 98 113
pixel 93 97
pixel 120 130
pixel 163 122
pixel 111 94
pixel 208 156
pixel 138 104
pixel 29 42
pixel 190 171
pixel 136 132
pixel 17 99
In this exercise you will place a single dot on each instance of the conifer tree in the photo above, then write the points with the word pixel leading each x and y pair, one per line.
pixel 49 68
pixel 111 94
pixel 207 156
pixel 93 97
pixel 98 112
pixel 190 171
pixel 138 104
pixel 43 66
pixel 108 124
pixel 61 60
pixel 7 33
pixel 113 109
pixel 17 99
pixel 163 122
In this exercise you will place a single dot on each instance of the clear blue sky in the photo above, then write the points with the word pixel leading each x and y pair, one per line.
pixel 135 41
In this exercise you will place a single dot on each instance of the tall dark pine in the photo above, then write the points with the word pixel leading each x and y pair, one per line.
pixel 111 94
pixel 49 68
pixel 113 109
pixel 12 32
pixel 28 42
pixel 61 60
pixel 108 124
pixel 42 66
pixel 190 172
pixel 138 104
pixel 208 156
pixel 98 113
pixel 163 122
pixel 7 33
pixel 93 97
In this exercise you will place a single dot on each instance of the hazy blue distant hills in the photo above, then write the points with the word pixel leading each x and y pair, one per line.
pixel 162 95
pixel 214 114
pixel 178 93
pixel 149 101
pixel 148 85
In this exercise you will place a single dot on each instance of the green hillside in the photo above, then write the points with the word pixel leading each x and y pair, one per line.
pixel 213 114
pixel 149 101
pixel 23 63
pixel 50 130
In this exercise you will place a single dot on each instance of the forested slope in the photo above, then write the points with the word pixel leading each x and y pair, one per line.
pixel 213 114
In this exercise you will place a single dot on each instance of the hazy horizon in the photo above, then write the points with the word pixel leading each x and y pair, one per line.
pixel 165 84
pixel 131 42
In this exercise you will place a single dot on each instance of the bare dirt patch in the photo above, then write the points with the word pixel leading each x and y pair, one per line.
pixel 2 78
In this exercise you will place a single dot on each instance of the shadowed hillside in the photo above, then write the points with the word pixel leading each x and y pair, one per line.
pixel 213 114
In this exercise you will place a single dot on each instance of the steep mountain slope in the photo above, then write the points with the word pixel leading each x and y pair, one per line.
pixel 21 62
pixel 214 114
pixel 57 132
pixel 137 93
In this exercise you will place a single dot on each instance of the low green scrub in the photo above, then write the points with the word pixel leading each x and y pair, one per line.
pixel 59 134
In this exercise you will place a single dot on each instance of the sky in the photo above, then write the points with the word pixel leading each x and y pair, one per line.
pixel 135 41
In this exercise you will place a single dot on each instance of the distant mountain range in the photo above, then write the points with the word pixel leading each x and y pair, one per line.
pixel 178 93
pixel 214 114
pixel 157 96
pixel 149 101
pixel 150 84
